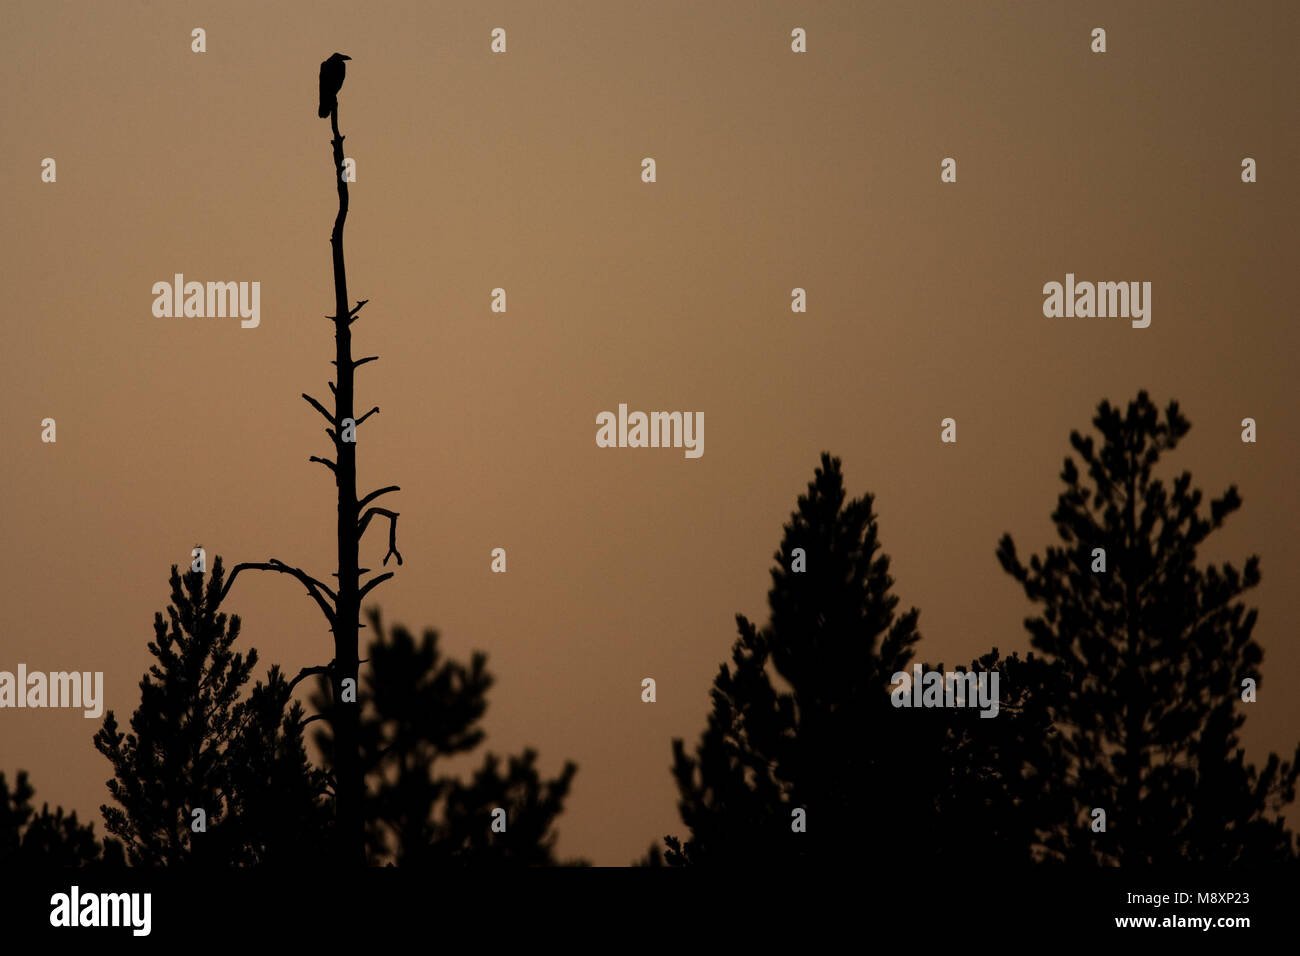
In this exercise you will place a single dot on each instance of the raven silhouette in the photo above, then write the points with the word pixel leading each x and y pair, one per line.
pixel 331 81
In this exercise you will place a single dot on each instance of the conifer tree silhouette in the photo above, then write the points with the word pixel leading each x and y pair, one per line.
pixel 998 795
pixel 1156 649
pixel 832 745
pixel 418 710
pixel 28 838
pixel 282 815
pixel 195 744
pixel 897 786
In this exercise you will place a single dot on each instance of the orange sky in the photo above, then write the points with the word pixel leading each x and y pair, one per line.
pixel 522 171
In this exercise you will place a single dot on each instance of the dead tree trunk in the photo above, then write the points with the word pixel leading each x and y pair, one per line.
pixel 345 718
pixel 342 609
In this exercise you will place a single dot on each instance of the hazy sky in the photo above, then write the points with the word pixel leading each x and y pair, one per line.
pixel 522 171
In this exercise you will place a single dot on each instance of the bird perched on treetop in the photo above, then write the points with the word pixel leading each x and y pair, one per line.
pixel 331 81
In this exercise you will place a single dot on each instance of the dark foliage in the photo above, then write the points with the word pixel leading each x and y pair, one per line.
pixel 28 838
pixel 1156 649
pixel 195 744
pixel 418 709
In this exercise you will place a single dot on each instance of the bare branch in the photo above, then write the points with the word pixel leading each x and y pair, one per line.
pixel 333 390
pixel 373 582
pixel 375 494
pixel 392 530
pixel 327 463
pixel 367 414
pixel 306 672
pixel 369 358
pixel 303 576
pixel 319 407
pixel 352 316
pixel 313 586
pixel 308 721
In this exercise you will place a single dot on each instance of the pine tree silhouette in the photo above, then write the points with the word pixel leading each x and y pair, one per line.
pixel 419 709
pixel 832 745
pixel 194 744
pixel 28 838
pixel 903 787
pixel 1156 649
pixel 999 796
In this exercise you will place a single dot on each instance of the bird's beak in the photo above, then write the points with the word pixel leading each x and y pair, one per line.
pixel 345 56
